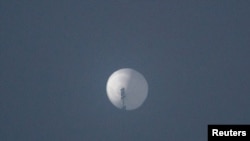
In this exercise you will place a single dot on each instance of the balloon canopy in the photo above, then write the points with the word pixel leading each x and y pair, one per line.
pixel 127 89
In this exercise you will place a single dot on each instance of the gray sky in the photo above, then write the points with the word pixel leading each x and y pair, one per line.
pixel 55 59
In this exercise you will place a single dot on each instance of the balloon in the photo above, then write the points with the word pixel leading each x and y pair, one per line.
pixel 127 89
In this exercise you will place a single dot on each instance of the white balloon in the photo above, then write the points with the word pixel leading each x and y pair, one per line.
pixel 127 89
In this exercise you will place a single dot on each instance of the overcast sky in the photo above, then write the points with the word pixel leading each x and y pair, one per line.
pixel 56 57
